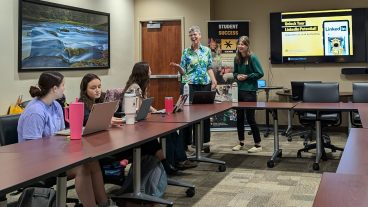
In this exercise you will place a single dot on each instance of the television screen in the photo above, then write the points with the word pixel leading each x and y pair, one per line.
pixel 54 36
pixel 318 36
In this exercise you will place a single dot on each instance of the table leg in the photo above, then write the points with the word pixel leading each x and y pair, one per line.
pixel 61 190
pixel 137 194
pixel 171 181
pixel 289 122
pixel 267 130
pixel 198 157
pixel 277 152
pixel 3 201
pixel 318 143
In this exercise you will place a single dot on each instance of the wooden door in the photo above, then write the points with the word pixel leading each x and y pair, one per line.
pixel 161 46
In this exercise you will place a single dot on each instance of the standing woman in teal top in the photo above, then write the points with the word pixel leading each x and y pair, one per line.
pixel 247 70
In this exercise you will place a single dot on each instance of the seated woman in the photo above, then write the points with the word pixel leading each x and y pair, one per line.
pixel 43 117
pixel 91 93
pixel 138 82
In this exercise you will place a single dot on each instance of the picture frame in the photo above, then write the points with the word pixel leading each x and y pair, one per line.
pixel 59 37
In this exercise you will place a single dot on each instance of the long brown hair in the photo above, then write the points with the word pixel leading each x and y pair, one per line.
pixel 140 76
pixel 83 96
pixel 239 58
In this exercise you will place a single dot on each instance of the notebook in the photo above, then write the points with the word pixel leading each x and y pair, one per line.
pixel 204 97
pixel 99 118
pixel 261 83
pixel 144 109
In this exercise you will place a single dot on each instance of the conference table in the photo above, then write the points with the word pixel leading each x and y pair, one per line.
pixel 289 95
pixel 273 107
pixel 35 160
pixel 318 108
pixel 354 158
pixel 267 90
pixel 363 114
pixel 342 190
pixel 195 114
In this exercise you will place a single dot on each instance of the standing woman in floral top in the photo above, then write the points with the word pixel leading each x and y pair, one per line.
pixel 195 69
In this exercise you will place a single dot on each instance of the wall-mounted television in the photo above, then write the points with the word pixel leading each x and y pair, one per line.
pixel 318 36
pixel 59 37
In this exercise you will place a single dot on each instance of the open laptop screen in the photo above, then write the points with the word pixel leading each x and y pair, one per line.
pixel 261 83
pixel 204 97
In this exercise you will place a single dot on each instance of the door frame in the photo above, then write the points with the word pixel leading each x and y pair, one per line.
pixel 139 22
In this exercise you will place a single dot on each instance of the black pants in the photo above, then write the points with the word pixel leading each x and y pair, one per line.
pixel 245 96
pixel 187 133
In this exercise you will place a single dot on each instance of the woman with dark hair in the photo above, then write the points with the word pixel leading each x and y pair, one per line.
pixel 247 70
pixel 43 117
pixel 138 82
pixel 91 93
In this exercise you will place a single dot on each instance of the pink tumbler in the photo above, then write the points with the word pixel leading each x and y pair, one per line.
pixel 169 105
pixel 74 115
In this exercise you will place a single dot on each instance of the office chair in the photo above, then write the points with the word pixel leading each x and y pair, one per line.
pixel 360 91
pixel 9 135
pixel 321 93
pixel 297 89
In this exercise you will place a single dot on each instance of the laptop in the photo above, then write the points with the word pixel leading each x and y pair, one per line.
pixel 180 103
pixel 99 118
pixel 204 97
pixel 144 109
pixel 261 83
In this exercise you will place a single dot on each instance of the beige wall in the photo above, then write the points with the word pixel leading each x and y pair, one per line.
pixel 258 13
pixel 194 12
pixel 281 75
pixel 13 83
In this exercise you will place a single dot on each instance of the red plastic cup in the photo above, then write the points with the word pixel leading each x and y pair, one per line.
pixel 169 105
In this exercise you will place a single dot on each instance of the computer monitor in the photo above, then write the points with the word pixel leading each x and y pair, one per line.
pixel 297 88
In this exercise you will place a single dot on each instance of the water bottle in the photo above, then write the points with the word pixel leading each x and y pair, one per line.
pixel 130 107
pixel 186 92
pixel 234 92
pixel 74 115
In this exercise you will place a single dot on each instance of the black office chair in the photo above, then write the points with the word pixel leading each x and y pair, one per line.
pixel 321 93
pixel 9 135
pixel 297 91
pixel 360 91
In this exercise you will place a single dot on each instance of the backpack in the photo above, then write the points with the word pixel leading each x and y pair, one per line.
pixel 153 177
pixel 37 197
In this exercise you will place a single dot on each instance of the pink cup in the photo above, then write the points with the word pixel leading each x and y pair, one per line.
pixel 169 105
pixel 74 115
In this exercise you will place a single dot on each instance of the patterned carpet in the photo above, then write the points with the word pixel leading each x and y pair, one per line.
pixel 248 182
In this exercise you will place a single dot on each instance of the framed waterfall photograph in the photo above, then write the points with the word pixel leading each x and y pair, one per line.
pixel 59 37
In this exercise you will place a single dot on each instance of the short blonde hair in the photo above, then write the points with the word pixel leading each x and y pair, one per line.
pixel 194 29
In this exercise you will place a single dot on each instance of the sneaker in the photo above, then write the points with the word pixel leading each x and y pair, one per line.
pixel 255 149
pixel 238 147
pixel 186 165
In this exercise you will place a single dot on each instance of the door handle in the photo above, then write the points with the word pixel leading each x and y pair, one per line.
pixel 163 76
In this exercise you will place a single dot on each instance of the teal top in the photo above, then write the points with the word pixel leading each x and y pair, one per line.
pixel 254 71
pixel 195 65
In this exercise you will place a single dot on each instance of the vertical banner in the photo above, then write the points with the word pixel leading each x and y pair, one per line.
pixel 222 39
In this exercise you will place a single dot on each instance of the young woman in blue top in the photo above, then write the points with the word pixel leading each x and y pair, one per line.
pixel 247 70
pixel 43 117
